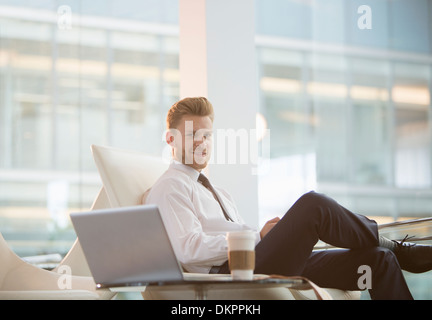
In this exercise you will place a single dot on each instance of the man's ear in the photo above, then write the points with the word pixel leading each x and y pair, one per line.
pixel 173 137
pixel 169 137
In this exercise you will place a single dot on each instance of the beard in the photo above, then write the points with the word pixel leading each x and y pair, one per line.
pixel 198 158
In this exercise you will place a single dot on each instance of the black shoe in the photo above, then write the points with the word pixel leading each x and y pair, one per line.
pixel 413 257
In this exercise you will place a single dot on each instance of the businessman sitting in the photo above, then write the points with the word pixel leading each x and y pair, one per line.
pixel 198 216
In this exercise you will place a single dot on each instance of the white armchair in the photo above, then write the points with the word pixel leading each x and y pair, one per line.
pixel 126 176
pixel 20 280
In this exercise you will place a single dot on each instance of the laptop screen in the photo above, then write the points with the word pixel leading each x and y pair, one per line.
pixel 126 246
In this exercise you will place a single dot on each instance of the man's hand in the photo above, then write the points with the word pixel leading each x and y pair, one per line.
pixel 268 226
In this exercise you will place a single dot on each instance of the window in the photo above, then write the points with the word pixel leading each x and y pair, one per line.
pixel 349 110
pixel 108 77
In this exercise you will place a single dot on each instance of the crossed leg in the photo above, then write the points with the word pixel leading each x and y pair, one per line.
pixel 287 248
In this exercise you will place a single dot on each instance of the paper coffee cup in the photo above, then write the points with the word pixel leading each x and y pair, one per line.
pixel 241 254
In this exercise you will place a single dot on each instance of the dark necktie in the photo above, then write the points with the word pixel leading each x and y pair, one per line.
pixel 206 183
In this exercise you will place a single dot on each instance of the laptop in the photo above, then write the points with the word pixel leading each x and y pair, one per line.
pixel 129 246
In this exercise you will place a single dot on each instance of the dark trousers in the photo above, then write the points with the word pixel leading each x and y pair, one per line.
pixel 287 249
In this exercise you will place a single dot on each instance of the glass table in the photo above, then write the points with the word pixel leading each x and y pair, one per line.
pixel 222 282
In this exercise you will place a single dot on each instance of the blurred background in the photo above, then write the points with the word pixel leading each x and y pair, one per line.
pixel 344 92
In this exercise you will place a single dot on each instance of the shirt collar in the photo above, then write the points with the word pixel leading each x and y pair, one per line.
pixel 191 172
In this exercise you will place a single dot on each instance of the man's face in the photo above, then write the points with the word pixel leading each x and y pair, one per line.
pixel 192 142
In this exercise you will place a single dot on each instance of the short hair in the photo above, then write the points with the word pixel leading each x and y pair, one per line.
pixel 198 106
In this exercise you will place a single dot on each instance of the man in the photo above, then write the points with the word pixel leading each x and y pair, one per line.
pixel 198 216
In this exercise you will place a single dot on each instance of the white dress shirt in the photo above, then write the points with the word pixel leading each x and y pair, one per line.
pixel 194 219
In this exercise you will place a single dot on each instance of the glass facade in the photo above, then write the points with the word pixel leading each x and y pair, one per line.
pixel 347 101
pixel 344 89
pixel 74 74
